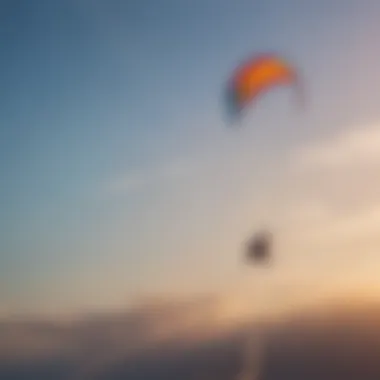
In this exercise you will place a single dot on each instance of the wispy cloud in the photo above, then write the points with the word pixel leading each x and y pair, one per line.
pixel 133 181
pixel 351 147
pixel 361 227
pixel 127 184
pixel 333 207
pixel 337 177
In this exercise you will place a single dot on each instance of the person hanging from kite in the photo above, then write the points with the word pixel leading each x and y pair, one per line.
pixel 259 248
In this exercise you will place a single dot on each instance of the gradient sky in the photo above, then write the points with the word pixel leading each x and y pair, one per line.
pixel 120 176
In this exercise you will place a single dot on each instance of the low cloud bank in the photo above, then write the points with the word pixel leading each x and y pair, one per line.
pixel 189 340
pixel 92 342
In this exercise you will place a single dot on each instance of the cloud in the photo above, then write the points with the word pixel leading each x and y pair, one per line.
pixel 350 147
pixel 127 184
pixel 361 224
pixel 100 340
pixel 110 346
pixel 328 213
pixel 135 181
pixel 333 186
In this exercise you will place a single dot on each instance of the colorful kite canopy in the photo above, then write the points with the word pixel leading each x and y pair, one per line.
pixel 254 77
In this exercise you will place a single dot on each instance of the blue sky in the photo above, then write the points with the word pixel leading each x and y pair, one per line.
pixel 119 173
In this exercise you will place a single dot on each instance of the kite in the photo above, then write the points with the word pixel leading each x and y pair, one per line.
pixel 256 76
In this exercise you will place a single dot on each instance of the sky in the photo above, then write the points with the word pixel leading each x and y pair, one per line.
pixel 121 176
